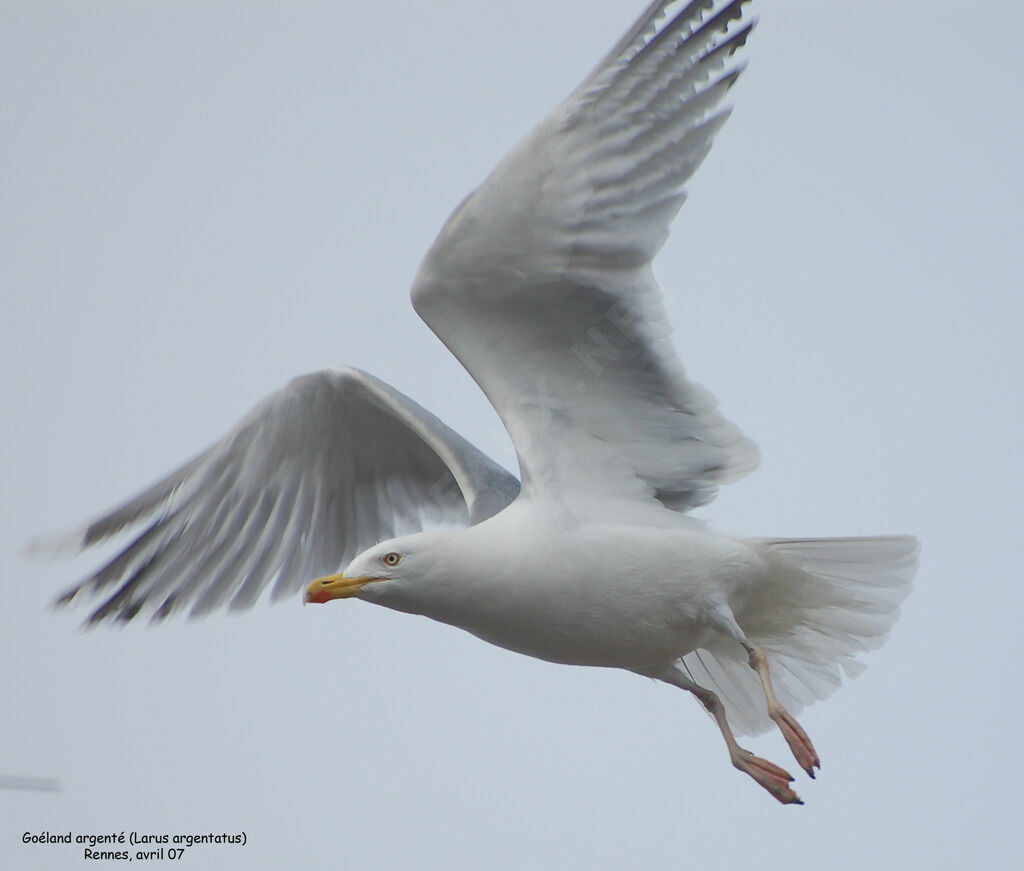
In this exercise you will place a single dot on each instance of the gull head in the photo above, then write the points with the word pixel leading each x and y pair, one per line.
pixel 380 572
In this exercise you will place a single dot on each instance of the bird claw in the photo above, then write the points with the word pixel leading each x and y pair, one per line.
pixel 803 750
pixel 773 778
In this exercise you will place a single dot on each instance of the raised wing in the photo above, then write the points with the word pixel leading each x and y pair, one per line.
pixel 315 474
pixel 540 282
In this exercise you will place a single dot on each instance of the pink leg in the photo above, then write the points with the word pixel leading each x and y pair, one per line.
pixel 796 737
pixel 776 780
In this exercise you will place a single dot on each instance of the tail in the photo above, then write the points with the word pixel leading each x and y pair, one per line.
pixel 824 601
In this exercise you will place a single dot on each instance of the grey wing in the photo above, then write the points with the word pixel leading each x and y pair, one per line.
pixel 317 472
pixel 541 283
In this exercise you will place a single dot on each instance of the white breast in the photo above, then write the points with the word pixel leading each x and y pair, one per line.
pixel 536 582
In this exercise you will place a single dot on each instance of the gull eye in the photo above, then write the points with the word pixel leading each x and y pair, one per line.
pixel 391 559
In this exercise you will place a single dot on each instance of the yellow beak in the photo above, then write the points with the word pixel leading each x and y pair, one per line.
pixel 335 587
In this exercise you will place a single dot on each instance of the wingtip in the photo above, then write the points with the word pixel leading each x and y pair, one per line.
pixel 65 598
pixel 739 39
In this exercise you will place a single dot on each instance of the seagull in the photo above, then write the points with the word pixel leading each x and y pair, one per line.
pixel 540 283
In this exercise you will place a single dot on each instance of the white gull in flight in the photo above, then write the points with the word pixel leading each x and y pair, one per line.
pixel 540 283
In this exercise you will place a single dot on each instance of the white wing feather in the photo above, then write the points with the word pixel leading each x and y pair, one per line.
pixel 540 282
pixel 316 473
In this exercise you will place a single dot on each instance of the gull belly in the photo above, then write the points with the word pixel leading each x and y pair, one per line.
pixel 583 594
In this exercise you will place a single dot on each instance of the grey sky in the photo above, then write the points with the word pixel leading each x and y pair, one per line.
pixel 202 199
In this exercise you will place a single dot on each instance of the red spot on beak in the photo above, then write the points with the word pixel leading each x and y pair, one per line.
pixel 318 597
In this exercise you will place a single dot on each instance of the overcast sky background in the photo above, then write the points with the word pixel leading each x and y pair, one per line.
pixel 200 200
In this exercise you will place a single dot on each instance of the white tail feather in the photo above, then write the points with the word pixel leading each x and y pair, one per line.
pixel 823 603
